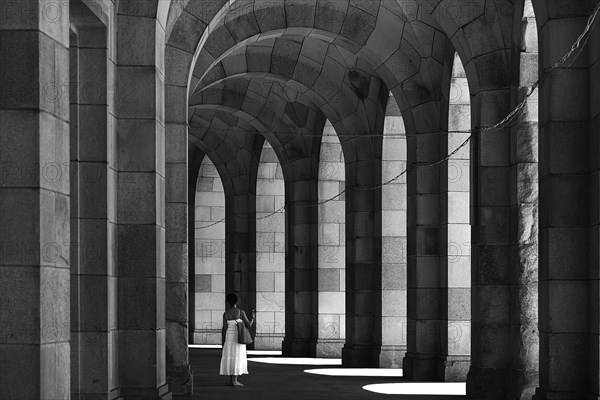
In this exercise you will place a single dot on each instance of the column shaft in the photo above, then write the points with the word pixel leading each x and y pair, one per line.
pixel 301 291
pixel 179 374
pixel 34 205
pixel 524 373
pixel 93 217
pixel 363 254
pixel 424 304
pixel 569 218
pixel 500 334
pixel 141 212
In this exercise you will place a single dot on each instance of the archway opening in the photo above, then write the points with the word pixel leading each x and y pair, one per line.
pixel 270 252
pixel 332 246
pixel 209 262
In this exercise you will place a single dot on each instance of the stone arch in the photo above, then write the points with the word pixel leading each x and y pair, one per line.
pixel 414 88
pixel 423 111
pixel 203 124
pixel 258 108
pixel 233 165
pixel 399 96
pixel 223 32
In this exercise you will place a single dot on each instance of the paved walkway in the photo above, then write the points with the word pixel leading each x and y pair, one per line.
pixel 284 382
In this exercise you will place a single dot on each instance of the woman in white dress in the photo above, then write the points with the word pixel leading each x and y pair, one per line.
pixel 233 361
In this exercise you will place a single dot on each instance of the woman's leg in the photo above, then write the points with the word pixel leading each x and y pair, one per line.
pixel 236 382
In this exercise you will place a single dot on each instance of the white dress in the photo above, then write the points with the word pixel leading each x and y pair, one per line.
pixel 233 360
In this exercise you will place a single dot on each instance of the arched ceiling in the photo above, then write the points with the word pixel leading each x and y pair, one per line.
pixel 232 132
pixel 370 35
pixel 321 53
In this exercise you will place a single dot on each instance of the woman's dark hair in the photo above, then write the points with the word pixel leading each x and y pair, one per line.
pixel 231 299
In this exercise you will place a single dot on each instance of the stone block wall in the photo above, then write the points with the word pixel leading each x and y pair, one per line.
pixel 270 253
pixel 332 247
pixel 209 264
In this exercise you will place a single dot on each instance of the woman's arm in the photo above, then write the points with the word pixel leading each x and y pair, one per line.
pixel 245 319
pixel 223 330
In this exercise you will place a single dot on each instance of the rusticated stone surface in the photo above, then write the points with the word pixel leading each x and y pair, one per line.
pixel 34 206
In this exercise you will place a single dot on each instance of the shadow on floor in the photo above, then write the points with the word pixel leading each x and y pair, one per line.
pixel 283 382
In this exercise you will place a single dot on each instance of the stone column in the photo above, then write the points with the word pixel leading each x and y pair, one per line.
pixel 500 334
pixel 140 209
pixel 363 252
pixel 301 271
pixel 424 302
pixel 524 204
pixel 594 284
pixel 93 216
pixel 491 346
pixel 179 374
pixel 74 209
pixel 569 218
pixel 34 203
pixel 195 157
pixel 456 235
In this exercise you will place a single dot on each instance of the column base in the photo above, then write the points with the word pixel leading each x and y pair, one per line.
pixel 541 394
pixel 268 342
pixel 180 380
pixel 453 368
pixel 391 356
pixel 206 336
pixel 500 384
pixel 112 395
pixel 328 348
pixel 420 367
pixel 160 393
pixel 297 348
pixel 361 356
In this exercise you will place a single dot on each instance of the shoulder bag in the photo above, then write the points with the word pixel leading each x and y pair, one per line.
pixel 244 336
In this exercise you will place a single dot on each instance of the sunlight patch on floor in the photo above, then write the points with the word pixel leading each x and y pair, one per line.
pixel 297 361
pixel 381 372
pixel 264 353
pixel 250 352
pixel 420 388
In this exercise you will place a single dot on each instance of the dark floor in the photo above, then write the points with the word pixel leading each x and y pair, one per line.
pixel 282 382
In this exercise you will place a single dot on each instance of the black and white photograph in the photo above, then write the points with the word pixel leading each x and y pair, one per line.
pixel 299 199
